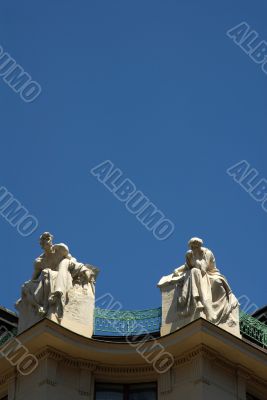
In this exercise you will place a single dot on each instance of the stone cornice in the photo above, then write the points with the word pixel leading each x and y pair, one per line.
pixel 137 370
pixel 103 358
pixel 197 351
pixel 218 358
pixel 51 353
pixel 92 366
pixel 9 374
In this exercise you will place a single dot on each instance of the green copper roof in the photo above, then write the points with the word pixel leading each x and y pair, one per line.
pixel 123 323
pixel 253 329
pixel 141 322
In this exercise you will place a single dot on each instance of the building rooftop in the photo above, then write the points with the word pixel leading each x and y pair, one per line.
pixel 120 326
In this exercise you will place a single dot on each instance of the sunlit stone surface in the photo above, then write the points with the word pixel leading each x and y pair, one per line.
pixel 61 289
pixel 198 289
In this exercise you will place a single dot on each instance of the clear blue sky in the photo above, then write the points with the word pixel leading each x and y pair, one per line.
pixel 158 88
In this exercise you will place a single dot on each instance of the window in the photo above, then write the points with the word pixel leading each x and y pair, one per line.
pixel 140 391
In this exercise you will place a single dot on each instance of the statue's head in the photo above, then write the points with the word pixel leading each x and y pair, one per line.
pixel 46 240
pixel 195 243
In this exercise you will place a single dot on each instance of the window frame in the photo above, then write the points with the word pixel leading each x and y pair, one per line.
pixel 126 387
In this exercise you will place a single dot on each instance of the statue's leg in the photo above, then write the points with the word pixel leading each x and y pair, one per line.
pixel 201 291
pixel 46 289
pixel 62 277
pixel 61 287
pixel 197 291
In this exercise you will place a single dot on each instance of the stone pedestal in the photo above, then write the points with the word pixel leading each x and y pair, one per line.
pixel 170 319
pixel 28 315
pixel 79 311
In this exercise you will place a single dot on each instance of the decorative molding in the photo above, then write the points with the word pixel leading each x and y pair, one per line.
pixel 189 356
pixel 82 393
pixel 49 353
pixel 63 358
pixel 85 382
pixel 219 359
pixel 49 367
pixel 165 382
pixel 47 382
pixel 125 370
pixel 10 374
pixel 200 369
pixel 12 388
pixel 58 356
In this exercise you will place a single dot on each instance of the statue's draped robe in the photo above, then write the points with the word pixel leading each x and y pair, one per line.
pixel 200 283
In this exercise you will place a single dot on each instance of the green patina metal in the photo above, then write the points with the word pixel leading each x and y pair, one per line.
pixel 123 323
pixel 7 335
pixel 253 329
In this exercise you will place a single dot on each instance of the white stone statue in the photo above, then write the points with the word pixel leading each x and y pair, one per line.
pixel 198 289
pixel 61 289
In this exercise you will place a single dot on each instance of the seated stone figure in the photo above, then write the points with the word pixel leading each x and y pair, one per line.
pixel 197 289
pixel 55 275
pixel 202 287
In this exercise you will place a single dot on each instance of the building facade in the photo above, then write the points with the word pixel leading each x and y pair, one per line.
pixel 197 346
pixel 198 361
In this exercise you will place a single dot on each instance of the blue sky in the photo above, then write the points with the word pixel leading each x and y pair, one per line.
pixel 159 89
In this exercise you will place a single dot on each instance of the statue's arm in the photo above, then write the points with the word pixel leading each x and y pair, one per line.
pixel 178 275
pixel 64 250
pixel 37 269
pixel 179 271
pixel 188 259
pixel 212 262
pixel 79 269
